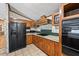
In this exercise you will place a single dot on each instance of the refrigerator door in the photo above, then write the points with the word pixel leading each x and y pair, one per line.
pixel 12 37
pixel 21 35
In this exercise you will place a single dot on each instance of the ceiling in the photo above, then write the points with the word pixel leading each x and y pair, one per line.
pixel 35 10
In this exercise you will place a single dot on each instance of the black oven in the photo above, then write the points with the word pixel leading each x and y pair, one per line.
pixel 70 34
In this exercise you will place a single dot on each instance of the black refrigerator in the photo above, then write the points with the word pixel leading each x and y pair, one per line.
pixel 17 36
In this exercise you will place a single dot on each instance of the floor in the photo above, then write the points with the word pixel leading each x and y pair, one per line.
pixel 30 50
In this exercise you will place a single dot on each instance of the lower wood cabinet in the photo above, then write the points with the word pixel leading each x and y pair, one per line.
pixel 51 48
pixel 29 39
pixel 57 49
pixel 45 45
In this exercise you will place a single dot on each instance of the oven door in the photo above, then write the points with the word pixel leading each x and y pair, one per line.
pixel 74 37
pixel 70 34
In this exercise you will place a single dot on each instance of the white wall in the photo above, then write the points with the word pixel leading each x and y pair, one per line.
pixel 2 10
pixel 48 26
pixel 16 16
pixel 36 10
pixel 54 29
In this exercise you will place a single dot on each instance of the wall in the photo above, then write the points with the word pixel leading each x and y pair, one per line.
pixel 4 16
pixel 3 11
pixel 48 26
pixel 16 16
pixel 55 30
pixel 35 10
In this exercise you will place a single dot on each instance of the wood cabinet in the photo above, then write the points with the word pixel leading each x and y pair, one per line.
pixel 42 20
pixel 29 39
pixel 51 48
pixel 30 23
pixel 45 45
pixel 70 10
pixel 1 25
pixel 2 41
pixel 57 49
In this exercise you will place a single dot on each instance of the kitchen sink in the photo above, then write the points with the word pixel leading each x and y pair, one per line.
pixel 43 34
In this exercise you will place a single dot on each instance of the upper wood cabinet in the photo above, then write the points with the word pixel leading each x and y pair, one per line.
pixel 70 10
pixel 30 23
pixel 42 20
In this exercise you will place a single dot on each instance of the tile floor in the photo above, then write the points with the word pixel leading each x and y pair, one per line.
pixel 30 50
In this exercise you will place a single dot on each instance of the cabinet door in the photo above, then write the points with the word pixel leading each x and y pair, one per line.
pixel 33 39
pixel 52 48
pixel 29 39
pixel 42 44
pixel 49 47
pixel 2 42
pixel 57 49
pixel 39 42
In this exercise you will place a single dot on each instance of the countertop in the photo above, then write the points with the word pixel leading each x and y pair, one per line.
pixel 50 37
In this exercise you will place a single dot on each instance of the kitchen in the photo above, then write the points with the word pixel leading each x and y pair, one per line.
pixel 30 30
